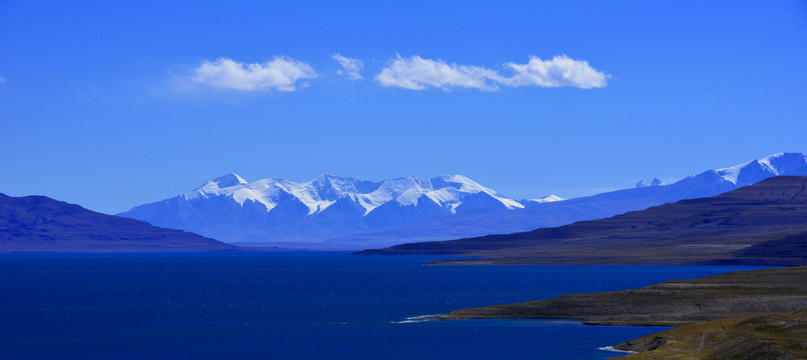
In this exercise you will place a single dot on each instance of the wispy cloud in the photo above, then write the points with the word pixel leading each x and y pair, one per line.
pixel 351 67
pixel 2 80
pixel 281 73
pixel 416 73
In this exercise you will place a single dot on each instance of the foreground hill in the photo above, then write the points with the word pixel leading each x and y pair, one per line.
pixel 42 224
pixel 763 336
pixel 758 224
pixel 674 302
pixel 739 315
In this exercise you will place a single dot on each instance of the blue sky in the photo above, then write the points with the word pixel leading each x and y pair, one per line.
pixel 112 104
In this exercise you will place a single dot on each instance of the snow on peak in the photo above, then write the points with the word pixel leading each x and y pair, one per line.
pixel 548 198
pixel 731 174
pixel 322 192
pixel 786 163
pixel 221 182
pixel 773 165
pixel 236 187
pixel 459 179
pixel 328 178
pixel 228 180
pixel 409 197
pixel 649 183
pixel 450 189
pixel 335 184
pixel 459 182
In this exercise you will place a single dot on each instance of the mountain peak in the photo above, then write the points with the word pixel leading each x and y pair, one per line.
pixel 786 163
pixel 460 183
pixel 228 180
pixel 548 198
pixel 785 155
pixel 459 179
pixel 756 170
pixel 649 183
pixel 327 176
pixel 455 178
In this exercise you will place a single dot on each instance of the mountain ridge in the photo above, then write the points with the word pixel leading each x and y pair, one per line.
pixel 233 209
pixel 42 224
pixel 742 226
pixel 534 215
pixel 342 210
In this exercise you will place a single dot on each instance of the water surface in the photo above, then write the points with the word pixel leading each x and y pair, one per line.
pixel 312 305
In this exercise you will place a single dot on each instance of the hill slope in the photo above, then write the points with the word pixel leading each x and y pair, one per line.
pixel 739 315
pixel 674 302
pixel 740 226
pixel 42 224
pixel 544 215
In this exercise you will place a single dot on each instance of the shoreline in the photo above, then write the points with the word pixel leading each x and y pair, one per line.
pixel 613 349
pixel 771 297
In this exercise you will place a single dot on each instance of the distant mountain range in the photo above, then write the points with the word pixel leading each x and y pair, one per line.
pixel 42 224
pixel 363 214
pixel 231 209
pixel 761 224
pixel 535 215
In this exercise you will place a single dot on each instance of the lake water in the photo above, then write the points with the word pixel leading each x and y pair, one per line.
pixel 295 305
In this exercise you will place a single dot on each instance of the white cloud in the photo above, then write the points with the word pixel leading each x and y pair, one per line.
pixel 351 67
pixel 280 73
pixel 560 71
pixel 2 80
pixel 416 73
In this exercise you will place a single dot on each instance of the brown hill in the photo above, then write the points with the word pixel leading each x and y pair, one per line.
pixel 674 302
pixel 739 315
pixel 42 224
pixel 763 336
pixel 765 223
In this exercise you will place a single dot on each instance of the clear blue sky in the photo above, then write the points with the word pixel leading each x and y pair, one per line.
pixel 112 104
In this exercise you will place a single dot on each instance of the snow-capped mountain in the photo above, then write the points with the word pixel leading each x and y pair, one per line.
pixel 649 182
pixel 349 211
pixel 744 174
pixel 546 199
pixel 230 208
pixel 550 214
pixel 448 192
pixel 755 171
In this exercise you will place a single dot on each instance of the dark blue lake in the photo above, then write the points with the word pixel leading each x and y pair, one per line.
pixel 299 305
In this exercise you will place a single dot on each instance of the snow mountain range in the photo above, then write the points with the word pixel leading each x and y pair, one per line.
pixel 344 210
pixel 232 209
